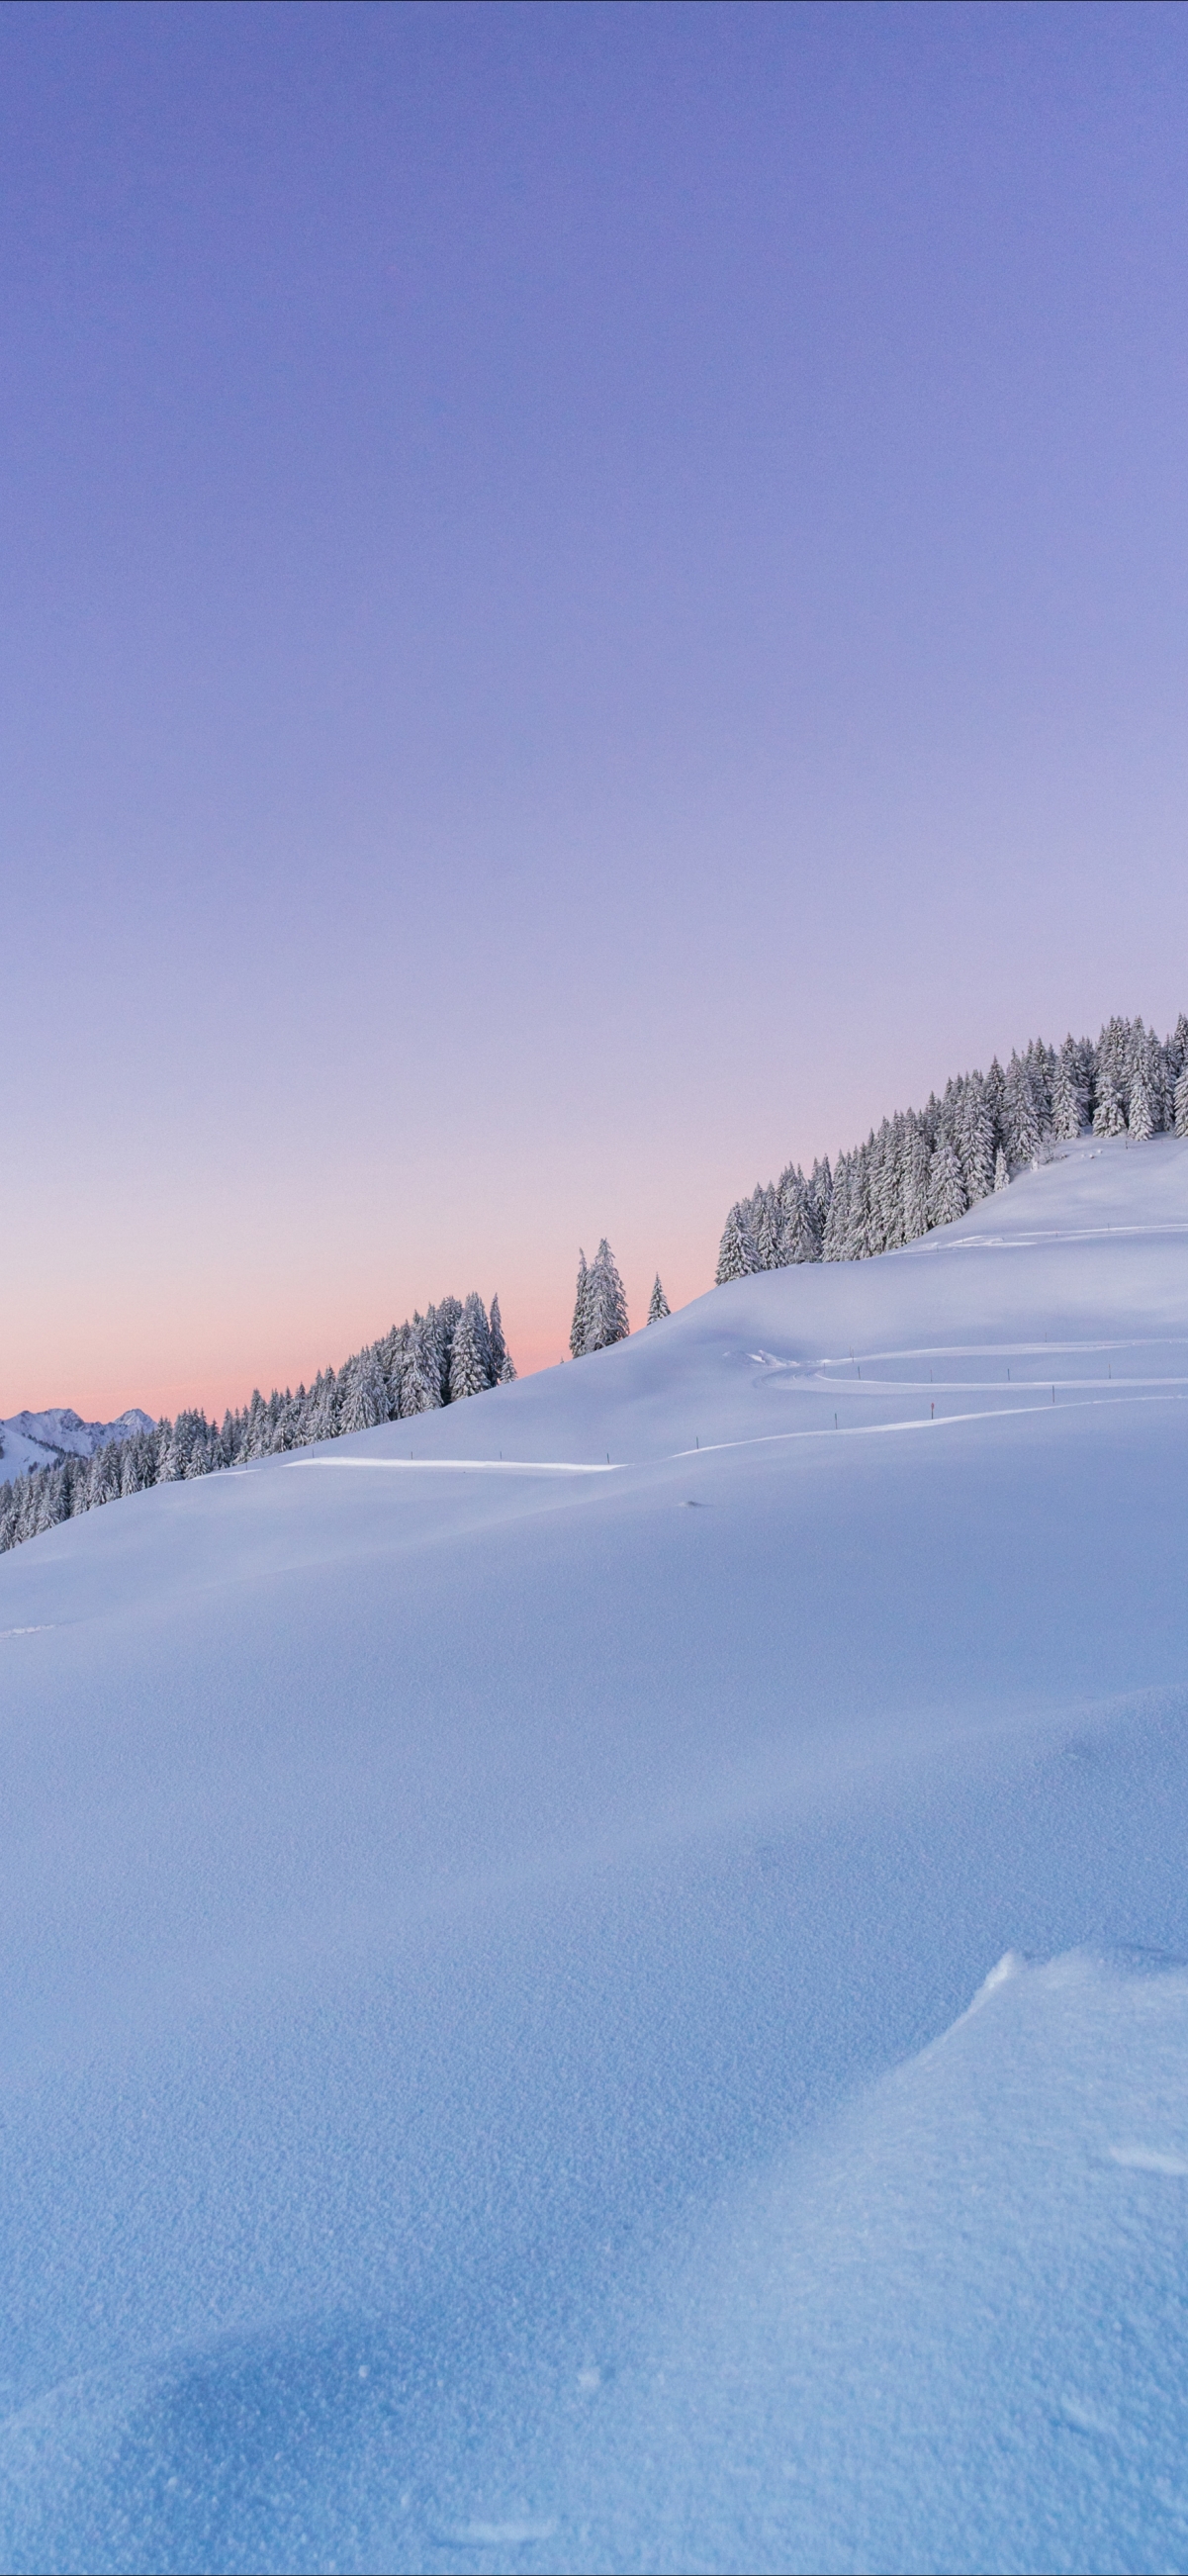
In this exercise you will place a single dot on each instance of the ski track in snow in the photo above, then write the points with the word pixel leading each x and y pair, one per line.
pixel 543 2027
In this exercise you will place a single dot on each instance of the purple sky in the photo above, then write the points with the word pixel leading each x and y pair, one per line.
pixel 593 597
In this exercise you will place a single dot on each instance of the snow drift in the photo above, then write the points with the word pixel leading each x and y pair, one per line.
pixel 505 2056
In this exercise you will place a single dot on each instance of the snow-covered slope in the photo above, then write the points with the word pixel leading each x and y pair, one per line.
pixel 499 2068
pixel 42 1439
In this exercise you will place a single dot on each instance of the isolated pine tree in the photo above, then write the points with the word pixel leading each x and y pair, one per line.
pixel 607 1302
pixel 659 1305
pixel 578 1330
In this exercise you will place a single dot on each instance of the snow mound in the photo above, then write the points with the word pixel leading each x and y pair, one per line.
pixel 503 2058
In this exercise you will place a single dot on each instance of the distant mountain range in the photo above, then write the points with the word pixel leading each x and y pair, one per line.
pixel 43 1439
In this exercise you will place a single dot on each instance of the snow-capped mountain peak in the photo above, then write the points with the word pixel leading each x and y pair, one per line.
pixel 41 1439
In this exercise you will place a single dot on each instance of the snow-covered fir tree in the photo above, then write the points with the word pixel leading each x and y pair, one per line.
pixel 600 1304
pixel 658 1305
pixel 925 1167
pixel 503 1367
pixel 581 1311
pixel 738 1256
pixel 1181 1101
pixel 946 1187
pixel 470 1355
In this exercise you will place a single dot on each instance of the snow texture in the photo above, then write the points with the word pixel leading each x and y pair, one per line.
pixel 607 1993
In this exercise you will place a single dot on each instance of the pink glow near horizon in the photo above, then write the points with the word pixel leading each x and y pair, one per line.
pixel 593 602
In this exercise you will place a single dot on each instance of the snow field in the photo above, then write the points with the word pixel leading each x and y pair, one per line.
pixel 488 2059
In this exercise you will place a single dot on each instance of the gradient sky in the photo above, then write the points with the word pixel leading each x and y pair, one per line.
pixel 593 597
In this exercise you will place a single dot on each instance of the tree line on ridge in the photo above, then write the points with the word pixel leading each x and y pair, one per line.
pixel 927 1166
pixel 454 1350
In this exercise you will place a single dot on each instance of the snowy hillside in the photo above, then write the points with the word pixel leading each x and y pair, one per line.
pixel 41 1439
pixel 607 1993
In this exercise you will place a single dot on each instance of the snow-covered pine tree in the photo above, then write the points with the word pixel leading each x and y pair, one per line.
pixel 579 1329
pixel 1182 1104
pixel 470 1357
pixel 443 1321
pixel 420 1384
pixel 766 1227
pixel 363 1393
pixel 1069 1100
pixel 894 1168
pixel 1176 1050
pixel 835 1238
pixel 395 1355
pixel 51 1501
pixel 658 1305
pixel 197 1463
pixel 1113 1052
pixel 915 1182
pixel 1149 1101
pixel 946 1187
pixel 608 1303
pixel 1021 1113
pixel 877 1161
pixel 1109 1117
pixel 820 1192
pixel 857 1236
pixel 170 1463
pixel 1041 1065
pixel 737 1255
pixel 1141 1118
pixel 1002 1171
pixel 800 1233
pixel 323 1411
pixel 1165 1073
pixel 995 1088
pixel 975 1141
